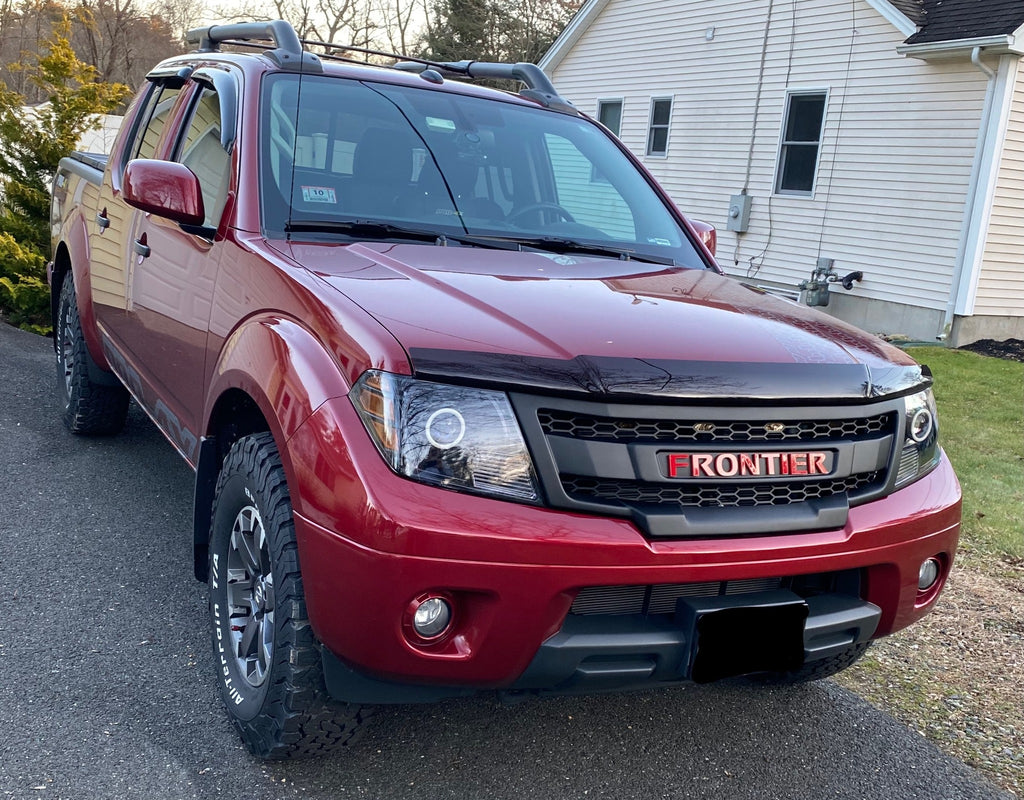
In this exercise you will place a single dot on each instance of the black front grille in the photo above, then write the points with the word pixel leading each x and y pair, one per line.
pixel 584 426
pixel 724 495
pixel 707 470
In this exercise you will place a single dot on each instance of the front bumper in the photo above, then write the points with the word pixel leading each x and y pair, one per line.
pixel 370 542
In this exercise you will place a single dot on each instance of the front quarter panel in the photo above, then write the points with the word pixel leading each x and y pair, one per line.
pixel 282 366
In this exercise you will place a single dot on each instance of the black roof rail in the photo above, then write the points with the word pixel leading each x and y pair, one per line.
pixel 539 86
pixel 287 53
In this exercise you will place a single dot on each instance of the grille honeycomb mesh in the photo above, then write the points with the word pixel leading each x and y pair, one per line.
pixel 584 426
pixel 598 490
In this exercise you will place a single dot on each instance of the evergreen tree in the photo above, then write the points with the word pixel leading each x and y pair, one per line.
pixel 494 30
pixel 32 142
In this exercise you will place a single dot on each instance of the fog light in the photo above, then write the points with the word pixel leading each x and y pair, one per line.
pixel 928 574
pixel 432 617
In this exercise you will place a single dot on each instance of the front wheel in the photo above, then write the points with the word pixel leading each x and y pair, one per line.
pixel 89 407
pixel 268 661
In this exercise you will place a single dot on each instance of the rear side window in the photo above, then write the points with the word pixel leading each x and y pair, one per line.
pixel 153 119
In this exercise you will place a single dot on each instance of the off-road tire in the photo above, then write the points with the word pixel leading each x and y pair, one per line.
pixel 282 711
pixel 817 670
pixel 89 408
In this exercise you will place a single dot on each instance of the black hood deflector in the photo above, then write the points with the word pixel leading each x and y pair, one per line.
pixel 719 381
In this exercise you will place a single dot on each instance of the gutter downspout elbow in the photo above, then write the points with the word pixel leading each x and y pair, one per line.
pixel 986 70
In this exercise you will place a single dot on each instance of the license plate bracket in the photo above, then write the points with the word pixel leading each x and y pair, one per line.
pixel 743 634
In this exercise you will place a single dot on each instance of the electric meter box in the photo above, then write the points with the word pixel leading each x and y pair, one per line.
pixel 739 213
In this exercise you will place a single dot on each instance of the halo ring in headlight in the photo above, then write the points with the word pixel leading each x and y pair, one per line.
pixel 921 425
pixel 445 428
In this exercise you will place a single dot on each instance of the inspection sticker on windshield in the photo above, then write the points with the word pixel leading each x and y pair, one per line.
pixel 319 194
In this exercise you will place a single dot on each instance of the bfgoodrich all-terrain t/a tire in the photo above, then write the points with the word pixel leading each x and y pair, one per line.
pixel 89 407
pixel 268 661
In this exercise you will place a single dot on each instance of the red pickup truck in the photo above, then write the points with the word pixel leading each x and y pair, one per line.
pixel 470 404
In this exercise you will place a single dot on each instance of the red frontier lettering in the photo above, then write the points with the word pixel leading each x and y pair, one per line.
pixel 703 461
pixel 677 462
pixel 728 465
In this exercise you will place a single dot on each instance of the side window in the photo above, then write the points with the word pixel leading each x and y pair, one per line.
pixel 609 114
pixel 202 152
pixel 154 116
pixel 657 132
pixel 801 143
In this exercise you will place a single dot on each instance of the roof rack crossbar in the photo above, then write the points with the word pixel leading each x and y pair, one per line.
pixel 539 85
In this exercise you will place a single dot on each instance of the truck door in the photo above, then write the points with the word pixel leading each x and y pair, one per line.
pixel 109 236
pixel 174 267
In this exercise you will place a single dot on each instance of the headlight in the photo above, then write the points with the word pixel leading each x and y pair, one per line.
pixel 449 436
pixel 920 451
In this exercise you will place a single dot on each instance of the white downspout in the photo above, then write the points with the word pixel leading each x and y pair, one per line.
pixel 972 191
pixel 976 60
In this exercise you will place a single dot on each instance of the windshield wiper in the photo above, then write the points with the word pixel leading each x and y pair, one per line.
pixel 556 244
pixel 361 228
pixel 374 229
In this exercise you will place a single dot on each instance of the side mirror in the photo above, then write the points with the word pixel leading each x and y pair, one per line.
pixel 706 233
pixel 165 188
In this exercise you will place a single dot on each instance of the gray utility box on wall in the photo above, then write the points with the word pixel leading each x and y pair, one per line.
pixel 739 213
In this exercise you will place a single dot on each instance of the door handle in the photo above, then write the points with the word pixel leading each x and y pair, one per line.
pixel 141 248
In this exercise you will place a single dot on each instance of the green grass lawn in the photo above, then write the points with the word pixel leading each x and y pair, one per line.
pixel 981 427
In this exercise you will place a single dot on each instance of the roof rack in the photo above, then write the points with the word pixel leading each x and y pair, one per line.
pixel 289 53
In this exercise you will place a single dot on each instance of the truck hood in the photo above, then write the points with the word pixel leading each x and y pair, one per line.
pixel 602 326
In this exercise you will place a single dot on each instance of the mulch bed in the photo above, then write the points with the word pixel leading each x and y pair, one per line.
pixel 1012 349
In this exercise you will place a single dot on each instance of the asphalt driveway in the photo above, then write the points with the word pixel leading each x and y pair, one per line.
pixel 107 686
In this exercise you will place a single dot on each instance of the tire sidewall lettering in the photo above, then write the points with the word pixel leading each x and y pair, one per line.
pixel 244 700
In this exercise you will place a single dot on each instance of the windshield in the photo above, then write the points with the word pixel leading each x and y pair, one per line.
pixel 422 160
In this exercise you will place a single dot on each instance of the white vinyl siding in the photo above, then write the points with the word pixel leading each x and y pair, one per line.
pixel 890 191
pixel 1001 284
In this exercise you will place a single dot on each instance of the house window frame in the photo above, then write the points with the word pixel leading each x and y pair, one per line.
pixel 650 153
pixel 780 154
pixel 595 176
pixel 607 101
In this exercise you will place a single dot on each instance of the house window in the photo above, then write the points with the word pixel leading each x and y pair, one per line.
pixel 657 133
pixel 609 114
pixel 801 143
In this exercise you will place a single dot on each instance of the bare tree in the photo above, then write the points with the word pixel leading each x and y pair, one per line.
pixel 120 40
pixel 180 15
pixel 400 22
